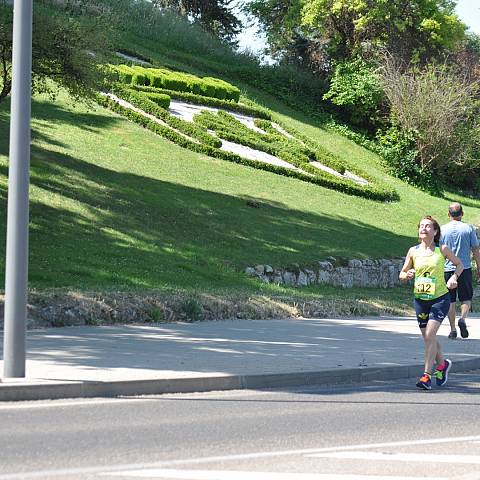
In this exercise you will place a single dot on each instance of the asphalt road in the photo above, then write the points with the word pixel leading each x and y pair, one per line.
pixel 375 431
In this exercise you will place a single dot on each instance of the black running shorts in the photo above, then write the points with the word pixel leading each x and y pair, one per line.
pixel 464 290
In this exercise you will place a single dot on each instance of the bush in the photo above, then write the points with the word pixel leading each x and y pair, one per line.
pixel 398 149
pixel 439 107
pixel 141 101
pixel 160 99
pixel 356 88
pixel 178 81
pixel 192 309
pixel 230 105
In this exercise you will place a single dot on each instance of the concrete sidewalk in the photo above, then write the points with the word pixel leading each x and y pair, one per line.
pixel 189 357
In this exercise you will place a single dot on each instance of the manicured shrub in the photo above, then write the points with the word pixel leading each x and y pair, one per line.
pixel 178 81
pixel 230 105
pixel 160 99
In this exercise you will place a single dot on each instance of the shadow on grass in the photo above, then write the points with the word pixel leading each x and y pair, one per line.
pixel 43 118
pixel 121 229
pixel 92 227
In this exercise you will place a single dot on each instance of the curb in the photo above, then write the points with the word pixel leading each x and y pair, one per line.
pixel 87 389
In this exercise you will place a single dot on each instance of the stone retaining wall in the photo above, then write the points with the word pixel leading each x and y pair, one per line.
pixel 353 273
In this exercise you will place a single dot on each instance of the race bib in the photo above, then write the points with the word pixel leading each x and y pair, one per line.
pixel 424 287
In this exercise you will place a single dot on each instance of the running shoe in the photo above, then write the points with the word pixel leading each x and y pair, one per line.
pixel 441 373
pixel 463 328
pixel 425 382
pixel 452 335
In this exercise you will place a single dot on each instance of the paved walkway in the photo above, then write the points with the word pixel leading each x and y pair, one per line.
pixel 186 357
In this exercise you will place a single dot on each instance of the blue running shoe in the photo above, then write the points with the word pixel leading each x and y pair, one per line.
pixel 425 382
pixel 441 373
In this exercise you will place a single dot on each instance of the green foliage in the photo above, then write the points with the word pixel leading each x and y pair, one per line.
pixel 182 82
pixel 68 38
pixel 356 87
pixel 312 149
pixel 414 29
pixel 166 30
pixel 214 15
pixel 398 149
pixel 156 315
pixel 161 99
pixel 437 108
pixel 280 20
pixel 140 100
pixel 230 105
pixel 192 309
pixel 472 42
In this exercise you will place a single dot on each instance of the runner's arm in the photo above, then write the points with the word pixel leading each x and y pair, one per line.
pixel 449 255
pixel 407 272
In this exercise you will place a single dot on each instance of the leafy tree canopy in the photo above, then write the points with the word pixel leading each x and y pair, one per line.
pixel 342 29
pixel 414 28
pixel 67 39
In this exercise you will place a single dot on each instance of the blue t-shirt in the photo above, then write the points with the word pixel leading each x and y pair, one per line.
pixel 460 238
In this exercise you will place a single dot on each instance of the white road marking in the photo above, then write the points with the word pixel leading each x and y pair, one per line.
pixel 226 458
pixel 75 403
pixel 242 475
pixel 402 457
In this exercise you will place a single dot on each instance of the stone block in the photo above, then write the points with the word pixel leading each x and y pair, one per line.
pixel 324 277
pixel 355 263
pixel 325 266
pixel 289 278
pixel 302 280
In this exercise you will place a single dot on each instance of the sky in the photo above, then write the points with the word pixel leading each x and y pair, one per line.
pixel 469 13
pixel 467 10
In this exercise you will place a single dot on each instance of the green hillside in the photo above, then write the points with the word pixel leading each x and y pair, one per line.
pixel 115 207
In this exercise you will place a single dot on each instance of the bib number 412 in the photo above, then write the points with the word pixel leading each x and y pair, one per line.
pixel 425 286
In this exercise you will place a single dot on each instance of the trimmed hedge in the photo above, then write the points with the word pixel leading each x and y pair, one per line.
pixel 178 81
pixel 313 175
pixel 208 101
pixel 161 99
pixel 312 148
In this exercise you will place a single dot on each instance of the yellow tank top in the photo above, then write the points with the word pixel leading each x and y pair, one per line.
pixel 429 279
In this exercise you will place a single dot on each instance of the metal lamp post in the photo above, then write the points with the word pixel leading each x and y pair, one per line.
pixel 16 272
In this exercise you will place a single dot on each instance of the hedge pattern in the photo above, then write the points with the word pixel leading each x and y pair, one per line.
pixel 312 175
pixel 141 101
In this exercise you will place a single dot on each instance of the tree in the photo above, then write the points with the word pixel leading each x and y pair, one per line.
pixel 67 38
pixel 344 29
pixel 281 22
pixel 214 15
pixel 415 29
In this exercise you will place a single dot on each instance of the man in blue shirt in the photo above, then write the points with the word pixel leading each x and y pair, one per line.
pixel 461 238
